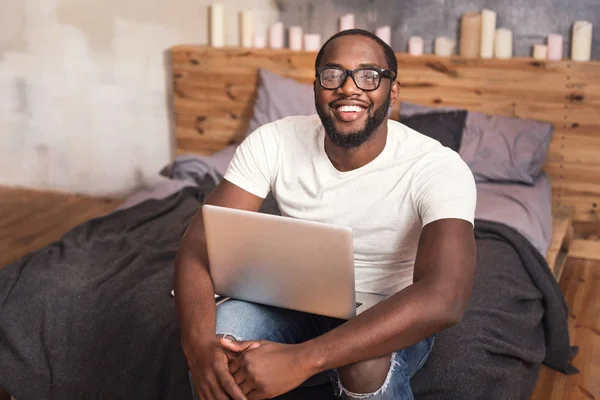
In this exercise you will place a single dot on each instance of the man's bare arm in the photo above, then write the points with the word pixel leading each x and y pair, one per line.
pixel 443 276
pixel 194 295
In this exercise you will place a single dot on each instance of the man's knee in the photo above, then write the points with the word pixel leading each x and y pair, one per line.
pixel 365 376
pixel 243 321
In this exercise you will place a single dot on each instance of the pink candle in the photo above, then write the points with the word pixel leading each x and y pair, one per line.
pixel 415 46
pixel 347 22
pixel 555 47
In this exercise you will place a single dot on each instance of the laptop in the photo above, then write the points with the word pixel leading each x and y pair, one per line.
pixel 283 262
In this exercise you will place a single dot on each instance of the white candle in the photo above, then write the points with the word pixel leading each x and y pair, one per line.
pixel 444 46
pixel 347 22
pixel 555 47
pixel 276 36
pixel 488 29
pixel 503 41
pixel 540 51
pixel 384 33
pixel 217 25
pixel 246 29
pixel 581 48
pixel 295 38
pixel 260 41
pixel 312 42
pixel 415 46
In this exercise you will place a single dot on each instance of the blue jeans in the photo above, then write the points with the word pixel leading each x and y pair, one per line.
pixel 250 321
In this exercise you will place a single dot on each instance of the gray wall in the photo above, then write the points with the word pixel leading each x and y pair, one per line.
pixel 529 20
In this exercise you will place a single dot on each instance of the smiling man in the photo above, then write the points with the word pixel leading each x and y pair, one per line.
pixel 410 203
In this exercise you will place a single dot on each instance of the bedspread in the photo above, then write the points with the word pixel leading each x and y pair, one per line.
pixel 91 315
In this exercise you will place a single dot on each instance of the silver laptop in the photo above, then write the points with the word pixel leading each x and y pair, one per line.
pixel 284 262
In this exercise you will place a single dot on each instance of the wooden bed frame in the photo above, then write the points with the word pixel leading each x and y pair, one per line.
pixel 213 92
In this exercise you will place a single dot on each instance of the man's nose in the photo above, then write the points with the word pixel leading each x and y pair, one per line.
pixel 349 88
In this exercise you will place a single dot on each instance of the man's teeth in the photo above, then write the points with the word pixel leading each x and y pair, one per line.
pixel 350 108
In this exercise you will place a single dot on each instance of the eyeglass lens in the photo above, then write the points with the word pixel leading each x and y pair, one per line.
pixel 365 79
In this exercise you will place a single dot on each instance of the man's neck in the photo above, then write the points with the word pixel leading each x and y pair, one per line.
pixel 344 159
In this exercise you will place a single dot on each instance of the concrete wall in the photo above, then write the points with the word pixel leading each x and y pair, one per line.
pixel 82 88
pixel 530 20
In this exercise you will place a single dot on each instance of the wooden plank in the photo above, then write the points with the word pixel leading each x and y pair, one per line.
pixel 561 236
pixel 586 249
pixel 37 218
pixel 585 207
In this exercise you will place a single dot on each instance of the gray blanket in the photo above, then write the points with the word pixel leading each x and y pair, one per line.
pixel 91 315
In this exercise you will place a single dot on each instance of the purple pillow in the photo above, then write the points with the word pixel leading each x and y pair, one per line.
pixel 505 149
pixel 280 97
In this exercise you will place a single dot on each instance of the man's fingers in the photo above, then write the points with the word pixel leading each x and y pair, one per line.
pixel 247 387
pixel 230 386
pixel 239 347
pixel 255 395
pixel 217 392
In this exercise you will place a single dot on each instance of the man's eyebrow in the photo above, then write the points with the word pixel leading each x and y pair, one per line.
pixel 368 65
pixel 362 65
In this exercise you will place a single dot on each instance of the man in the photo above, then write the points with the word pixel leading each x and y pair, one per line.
pixel 410 203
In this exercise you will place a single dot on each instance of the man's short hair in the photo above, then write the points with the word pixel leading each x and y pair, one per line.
pixel 390 56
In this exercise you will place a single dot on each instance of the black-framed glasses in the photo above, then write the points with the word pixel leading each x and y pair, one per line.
pixel 366 79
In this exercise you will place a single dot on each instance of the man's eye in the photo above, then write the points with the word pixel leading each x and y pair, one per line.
pixel 333 75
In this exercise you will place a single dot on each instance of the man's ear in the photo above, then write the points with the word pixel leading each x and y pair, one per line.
pixel 394 92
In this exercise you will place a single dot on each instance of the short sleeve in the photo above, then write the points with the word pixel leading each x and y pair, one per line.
pixel 253 165
pixel 445 188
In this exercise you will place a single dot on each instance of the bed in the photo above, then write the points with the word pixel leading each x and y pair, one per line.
pixel 92 315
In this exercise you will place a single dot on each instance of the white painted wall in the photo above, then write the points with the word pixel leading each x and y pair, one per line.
pixel 83 104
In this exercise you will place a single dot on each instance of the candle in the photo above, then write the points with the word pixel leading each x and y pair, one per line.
pixel 295 38
pixel 488 28
pixel 581 48
pixel 415 46
pixel 384 33
pixel 217 25
pixel 470 35
pixel 347 22
pixel 260 41
pixel 555 47
pixel 276 35
pixel 246 29
pixel 444 46
pixel 503 43
pixel 312 42
pixel 540 51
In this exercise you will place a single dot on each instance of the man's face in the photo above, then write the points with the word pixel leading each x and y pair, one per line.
pixel 350 115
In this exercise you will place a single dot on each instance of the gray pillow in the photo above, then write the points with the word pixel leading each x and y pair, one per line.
pixel 280 97
pixel 505 149
pixel 410 109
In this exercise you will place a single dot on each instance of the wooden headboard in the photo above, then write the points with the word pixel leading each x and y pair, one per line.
pixel 213 92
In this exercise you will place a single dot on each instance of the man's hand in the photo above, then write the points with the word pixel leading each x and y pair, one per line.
pixel 209 366
pixel 264 370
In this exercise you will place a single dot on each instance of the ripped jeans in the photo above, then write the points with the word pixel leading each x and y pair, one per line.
pixel 250 321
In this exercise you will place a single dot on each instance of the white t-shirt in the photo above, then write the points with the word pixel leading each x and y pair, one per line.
pixel 412 182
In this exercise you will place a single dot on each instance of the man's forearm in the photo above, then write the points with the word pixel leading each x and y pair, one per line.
pixel 404 319
pixel 194 299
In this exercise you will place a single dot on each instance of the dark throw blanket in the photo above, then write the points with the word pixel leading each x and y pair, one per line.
pixel 91 316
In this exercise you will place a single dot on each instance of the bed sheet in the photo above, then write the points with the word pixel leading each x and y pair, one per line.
pixel 528 209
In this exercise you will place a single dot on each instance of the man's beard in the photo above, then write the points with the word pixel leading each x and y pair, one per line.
pixel 354 139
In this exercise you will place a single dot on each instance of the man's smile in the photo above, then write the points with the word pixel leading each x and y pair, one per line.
pixel 349 111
